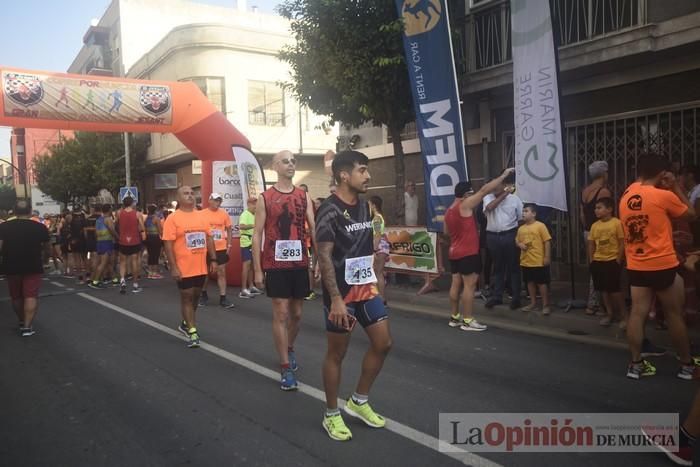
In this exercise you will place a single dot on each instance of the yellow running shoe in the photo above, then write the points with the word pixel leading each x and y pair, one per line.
pixel 336 428
pixel 365 413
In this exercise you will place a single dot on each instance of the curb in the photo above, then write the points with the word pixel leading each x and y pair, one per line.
pixel 515 326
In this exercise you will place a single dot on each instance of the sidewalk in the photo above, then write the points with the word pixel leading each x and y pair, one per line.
pixel 573 326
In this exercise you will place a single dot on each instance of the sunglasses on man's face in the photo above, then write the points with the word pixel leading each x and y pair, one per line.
pixel 288 161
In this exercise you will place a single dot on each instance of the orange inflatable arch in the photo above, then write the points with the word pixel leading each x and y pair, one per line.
pixel 36 99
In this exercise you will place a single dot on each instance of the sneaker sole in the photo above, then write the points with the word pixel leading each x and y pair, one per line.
pixel 350 412
pixel 685 377
pixel 334 438
pixel 671 455
pixel 193 346
pixel 652 354
pixel 454 325
pixel 470 329
pixel 289 388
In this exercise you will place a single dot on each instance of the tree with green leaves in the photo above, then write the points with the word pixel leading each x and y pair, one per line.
pixel 78 168
pixel 348 63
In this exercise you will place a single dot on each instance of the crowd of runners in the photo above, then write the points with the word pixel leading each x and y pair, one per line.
pixel 289 242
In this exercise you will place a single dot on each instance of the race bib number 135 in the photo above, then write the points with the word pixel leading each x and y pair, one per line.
pixel 359 271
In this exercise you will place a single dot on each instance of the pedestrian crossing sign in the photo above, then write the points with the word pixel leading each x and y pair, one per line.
pixel 130 191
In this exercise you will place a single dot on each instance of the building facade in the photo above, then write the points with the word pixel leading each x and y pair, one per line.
pixel 231 54
pixel 629 84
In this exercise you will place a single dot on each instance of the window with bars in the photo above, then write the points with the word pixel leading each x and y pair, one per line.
pixel 265 104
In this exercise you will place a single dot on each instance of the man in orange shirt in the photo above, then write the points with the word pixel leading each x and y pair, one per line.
pixel 646 209
pixel 188 243
pixel 220 230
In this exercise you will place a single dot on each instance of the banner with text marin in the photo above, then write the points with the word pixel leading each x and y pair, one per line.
pixel 431 69
pixel 539 156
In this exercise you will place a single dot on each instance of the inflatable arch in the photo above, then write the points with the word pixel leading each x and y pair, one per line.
pixel 35 99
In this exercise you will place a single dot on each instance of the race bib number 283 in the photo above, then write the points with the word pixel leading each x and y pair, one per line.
pixel 288 250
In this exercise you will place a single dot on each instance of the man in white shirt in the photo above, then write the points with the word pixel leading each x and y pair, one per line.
pixel 410 204
pixel 503 210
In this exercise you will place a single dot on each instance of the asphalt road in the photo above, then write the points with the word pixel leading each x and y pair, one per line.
pixel 108 382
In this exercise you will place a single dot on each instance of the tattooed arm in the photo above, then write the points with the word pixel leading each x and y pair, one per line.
pixel 338 314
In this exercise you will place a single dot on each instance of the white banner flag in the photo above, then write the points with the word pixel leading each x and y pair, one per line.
pixel 539 158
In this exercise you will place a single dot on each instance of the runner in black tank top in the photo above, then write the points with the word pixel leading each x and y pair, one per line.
pixel 280 219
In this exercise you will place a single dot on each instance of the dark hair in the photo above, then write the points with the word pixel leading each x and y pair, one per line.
pixel 531 206
pixel 345 161
pixel 23 207
pixel 128 201
pixel 510 179
pixel 377 201
pixel 304 185
pixel 152 209
pixel 606 201
pixel 651 164
pixel 462 188
pixel 693 170
pixel 106 208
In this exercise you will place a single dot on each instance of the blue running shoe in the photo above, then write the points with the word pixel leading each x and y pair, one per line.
pixel 292 360
pixel 289 382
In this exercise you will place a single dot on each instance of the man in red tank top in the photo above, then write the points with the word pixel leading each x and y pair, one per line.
pixel 283 216
pixel 465 262
pixel 131 233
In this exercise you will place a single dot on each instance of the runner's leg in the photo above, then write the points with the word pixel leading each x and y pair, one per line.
pixel 280 331
pixel 672 300
pixel 455 289
pixel 332 364
pixel 469 282
pixel 294 322
pixel 641 301
pixel 379 347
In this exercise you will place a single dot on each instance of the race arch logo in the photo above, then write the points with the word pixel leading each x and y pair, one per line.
pixel 23 89
pixel 420 16
pixel 155 99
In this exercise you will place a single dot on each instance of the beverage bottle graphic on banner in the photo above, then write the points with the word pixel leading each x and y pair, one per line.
pixel 237 181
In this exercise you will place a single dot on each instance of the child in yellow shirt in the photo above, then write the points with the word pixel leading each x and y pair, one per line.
pixel 535 245
pixel 606 250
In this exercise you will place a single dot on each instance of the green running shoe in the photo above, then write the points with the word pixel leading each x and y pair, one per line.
pixel 365 413
pixel 336 428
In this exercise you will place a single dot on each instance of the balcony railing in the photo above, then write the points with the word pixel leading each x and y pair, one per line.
pixel 484 36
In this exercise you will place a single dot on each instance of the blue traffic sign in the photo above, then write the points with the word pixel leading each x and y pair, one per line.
pixel 130 191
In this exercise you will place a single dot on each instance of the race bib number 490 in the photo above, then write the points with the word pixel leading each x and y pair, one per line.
pixel 288 250
pixel 359 271
pixel 195 240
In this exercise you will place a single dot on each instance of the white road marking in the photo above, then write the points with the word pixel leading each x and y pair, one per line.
pixel 57 284
pixel 400 429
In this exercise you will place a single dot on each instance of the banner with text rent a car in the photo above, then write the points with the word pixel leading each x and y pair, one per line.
pixel 428 50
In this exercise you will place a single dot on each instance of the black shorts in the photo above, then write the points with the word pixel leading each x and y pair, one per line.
pixel 655 280
pixel 366 313
pixel 606 276
pixel 467 265
pixel 538 275
pixel 91 246
pixel 221 258
pixel 191 282
pixel 129 250
pixel 76 246
pixel 292 283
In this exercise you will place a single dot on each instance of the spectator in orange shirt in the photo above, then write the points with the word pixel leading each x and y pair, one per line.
pixel 646 210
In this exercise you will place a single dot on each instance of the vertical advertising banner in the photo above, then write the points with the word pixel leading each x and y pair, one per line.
pixel 236 181
pixel 539 157
pixel 431 68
